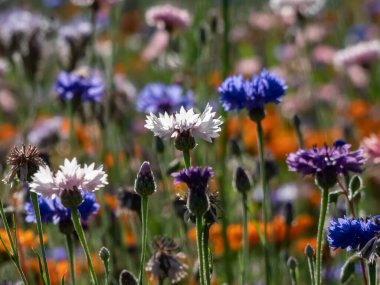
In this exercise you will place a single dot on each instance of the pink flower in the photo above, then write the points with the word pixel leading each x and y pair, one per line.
pixel 363 52
pixel 371 147
pixel 168 17
pixel 156 46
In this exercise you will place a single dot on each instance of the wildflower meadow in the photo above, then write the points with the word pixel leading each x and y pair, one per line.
pixel 189 142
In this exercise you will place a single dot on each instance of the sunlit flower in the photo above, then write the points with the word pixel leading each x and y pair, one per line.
pixel 166 261
pixel 70 175
pixel 326 163
pixel 159 98
pixel 203 125
pixel 80 85
pixel 305 7
pixel 168 17
pixel 371 147
pixel 238 93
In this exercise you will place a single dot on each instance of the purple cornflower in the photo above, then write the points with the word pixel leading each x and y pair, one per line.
pixel 351 234
pixel 326 163
pixel 81 85
pixel 160 98
pixel 196 179
pixel 238 93
pixel 52 210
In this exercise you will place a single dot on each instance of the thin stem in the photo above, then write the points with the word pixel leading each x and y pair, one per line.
pixel 321 223
pixel 14 254
pixel 34 199
pixel 264 185
pixel 372 273
pixel 144 218
pixel 310 263
pixel 293 276
pixel 82 238
pixel 199 225
pixel 245 238
pixel 186 158
pixel 70 251
pixel 206 262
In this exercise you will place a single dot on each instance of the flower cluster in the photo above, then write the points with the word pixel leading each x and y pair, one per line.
pixel 238 93
pixel 352 234
pixel 79 85
pixel 159 98
pixel 371 146
pixel 70 175
pixel 52 210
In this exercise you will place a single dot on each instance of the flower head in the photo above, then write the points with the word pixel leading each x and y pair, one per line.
pixel 70 176
pixel 166 261
pixel 196 179
pixel 24 162
pixel 351 234
pixel 168 17
pixel 238 93
pixel 327 162
pixel 79 85
pixel 185 123
pixel 52 210
pixel 159 98
pixel 371 146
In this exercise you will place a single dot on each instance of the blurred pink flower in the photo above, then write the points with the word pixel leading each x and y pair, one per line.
pixel 324 54
pixel 363 52
pixel 315 33
pixel 168 17
pixel 263 21
pixel 371 147
pixel 156 46
pixel 358 75
pixel 248 66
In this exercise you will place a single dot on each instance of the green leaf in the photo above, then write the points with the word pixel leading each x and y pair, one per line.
pixel 355 185
pixel 334 195
pixel 63 280
pixel 348 269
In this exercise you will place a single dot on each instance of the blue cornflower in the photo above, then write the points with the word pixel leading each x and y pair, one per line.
pixel 47 211
pixel 238 93
pixel 79 85
pixel 52 210
pixel 160 98
pixel 326 163
pixel 351 234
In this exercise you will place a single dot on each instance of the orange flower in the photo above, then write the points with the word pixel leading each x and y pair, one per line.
pixel 302 243
pixel 7 132
pixel 26 239
pixel 111 201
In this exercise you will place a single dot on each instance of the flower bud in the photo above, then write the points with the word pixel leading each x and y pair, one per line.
pixel 66 226
pixel 326 179
pixel 71 198
pixel 104 254
pixel 144 183
pixel 309 251
pixel 127 278
pixel 256 114
pixel 184 141
pixel 241 180
pixel 198 202
pixel 292 263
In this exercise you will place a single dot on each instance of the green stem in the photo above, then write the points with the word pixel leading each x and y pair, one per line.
pixel 372 273
pixel 293 276
pixel 206 261
pixel 186 158
pixel 82 239
pixel 321 223
pixel 70 251
pixel 245 238
pixel 199 225
pixel 264 185
pixel 144 218
pixel 310 263
pixel 14 254
pixel 34 199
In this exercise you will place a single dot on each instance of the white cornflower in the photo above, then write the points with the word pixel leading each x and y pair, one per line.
pixel 70 176
pixel 203 125
pixel 305 7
